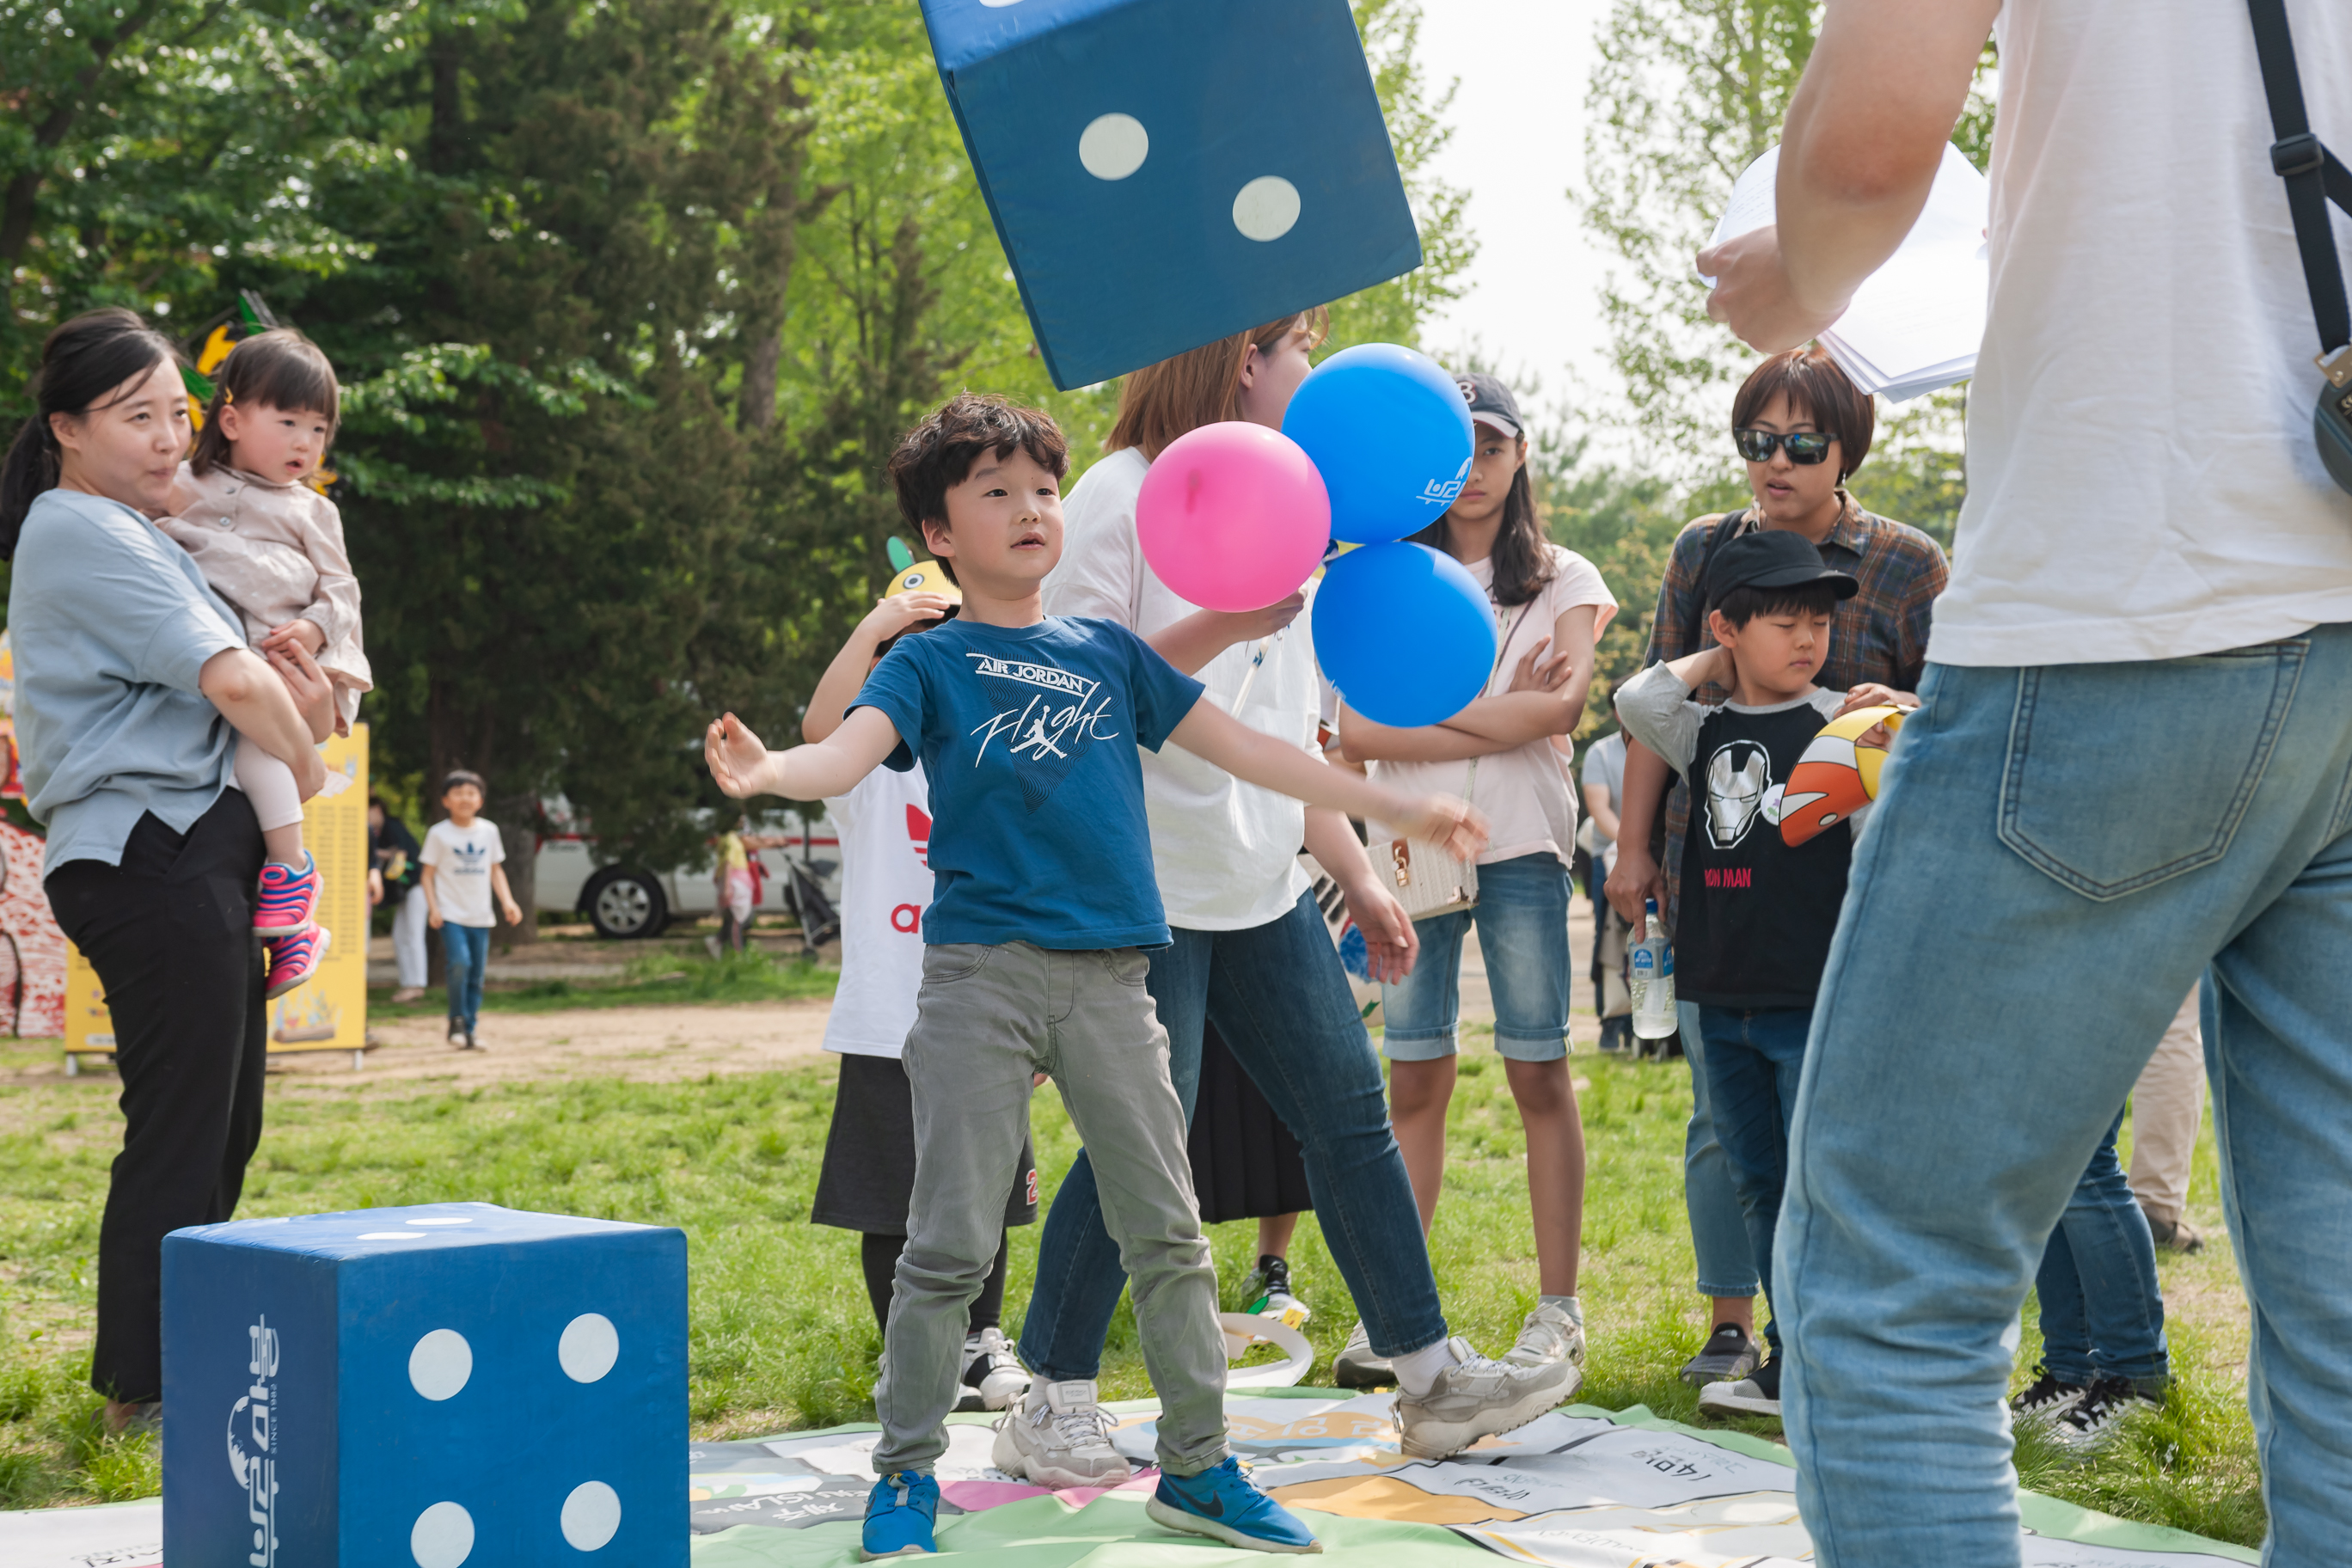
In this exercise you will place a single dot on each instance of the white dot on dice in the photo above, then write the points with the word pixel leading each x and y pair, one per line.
pixel 1114 146
pixel 393 1236
pixel 440 1365
pixel 443 1536
pixel 591 1515
pixel 1266 208
pixel 589 1347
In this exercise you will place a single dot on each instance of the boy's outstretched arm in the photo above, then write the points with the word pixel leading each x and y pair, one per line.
pixel 743 766
pixel 1215 735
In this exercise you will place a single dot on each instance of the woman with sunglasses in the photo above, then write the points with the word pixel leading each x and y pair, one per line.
pixel 1803 428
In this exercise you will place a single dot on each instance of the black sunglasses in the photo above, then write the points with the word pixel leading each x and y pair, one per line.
pixel 1804 447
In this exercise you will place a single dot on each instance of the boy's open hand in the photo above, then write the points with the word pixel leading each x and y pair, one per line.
pixel 893 614
pixel 736 756
pixel 1870 694
pixel 1454 826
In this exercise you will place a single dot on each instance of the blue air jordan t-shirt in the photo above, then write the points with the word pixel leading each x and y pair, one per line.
pixel 1028 737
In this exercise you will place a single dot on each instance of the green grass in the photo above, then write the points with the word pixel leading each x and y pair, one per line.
pixel 652 980
pixel 780 1333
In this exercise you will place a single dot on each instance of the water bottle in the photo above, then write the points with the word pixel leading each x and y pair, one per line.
pixel 1653 982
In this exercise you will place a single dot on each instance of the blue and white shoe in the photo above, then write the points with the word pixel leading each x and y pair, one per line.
pixel 899 1514
pixel 1226 1504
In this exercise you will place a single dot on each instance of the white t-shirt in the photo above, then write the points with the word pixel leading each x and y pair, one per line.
pixel 886 881
pixel 2141 478
pixel 1225 852
pixel 1523 791
pixel 461 858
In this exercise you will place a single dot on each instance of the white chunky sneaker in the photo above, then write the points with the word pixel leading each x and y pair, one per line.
pixel 1357 1367
pixel 1477 1398
pixel 1059 1437
pixel 993 1376
pixel 1549 1335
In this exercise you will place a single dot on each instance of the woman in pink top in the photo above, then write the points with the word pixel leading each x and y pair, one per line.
pixel 1550 607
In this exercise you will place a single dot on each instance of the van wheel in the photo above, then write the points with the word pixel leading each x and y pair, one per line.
pixel 624 904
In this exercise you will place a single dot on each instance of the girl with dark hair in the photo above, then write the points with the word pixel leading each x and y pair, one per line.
pixel 133 682
pixel 272 545
pixel 1251 955
pixel 1550 607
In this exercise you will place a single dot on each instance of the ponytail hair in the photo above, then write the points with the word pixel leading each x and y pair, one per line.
pixel 1523 563
pixel 83 364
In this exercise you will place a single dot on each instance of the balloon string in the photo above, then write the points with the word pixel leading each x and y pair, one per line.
pixel 1249 679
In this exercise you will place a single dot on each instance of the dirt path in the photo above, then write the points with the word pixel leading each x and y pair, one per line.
pixel 648 1044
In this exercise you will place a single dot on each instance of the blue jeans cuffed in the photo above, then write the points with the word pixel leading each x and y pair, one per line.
pixel 1522 919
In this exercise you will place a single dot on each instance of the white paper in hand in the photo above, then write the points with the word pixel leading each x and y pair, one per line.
pixel 1915 323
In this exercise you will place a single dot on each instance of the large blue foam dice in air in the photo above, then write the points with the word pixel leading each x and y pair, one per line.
pixel 424 1387
pixel 1164 173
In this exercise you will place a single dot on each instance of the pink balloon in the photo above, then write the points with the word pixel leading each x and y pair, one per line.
pixel 1234 516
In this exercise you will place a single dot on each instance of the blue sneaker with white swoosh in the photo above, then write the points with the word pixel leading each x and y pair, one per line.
pixel 1223 1502
pixel 899 1513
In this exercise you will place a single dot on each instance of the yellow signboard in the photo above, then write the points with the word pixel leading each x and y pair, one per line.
pixel 329 1011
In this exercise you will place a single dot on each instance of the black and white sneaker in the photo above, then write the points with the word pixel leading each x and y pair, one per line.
pixel 1758 1393
pixel 993 1377
pixel 2103 1407
pixel 1728 1356
pixel 2048 1399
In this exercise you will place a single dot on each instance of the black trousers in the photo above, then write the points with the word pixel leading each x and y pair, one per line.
pixel 170 932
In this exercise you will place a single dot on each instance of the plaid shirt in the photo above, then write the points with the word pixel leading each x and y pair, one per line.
pixel 1880 634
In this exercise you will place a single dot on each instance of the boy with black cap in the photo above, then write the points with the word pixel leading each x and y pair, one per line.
pixel 1757 915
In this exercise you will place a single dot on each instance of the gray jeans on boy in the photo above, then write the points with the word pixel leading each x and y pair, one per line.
pixel 988 1018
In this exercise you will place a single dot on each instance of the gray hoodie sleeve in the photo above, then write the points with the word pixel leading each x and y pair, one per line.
pixel 1656 709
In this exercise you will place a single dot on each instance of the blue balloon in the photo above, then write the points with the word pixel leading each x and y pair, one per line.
pixel 1390 433
pixel 1404 633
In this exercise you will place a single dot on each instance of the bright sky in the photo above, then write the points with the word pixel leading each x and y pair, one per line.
pixel 1518 144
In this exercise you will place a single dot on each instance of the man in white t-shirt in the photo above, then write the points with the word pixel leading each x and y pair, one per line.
pixel 2134 760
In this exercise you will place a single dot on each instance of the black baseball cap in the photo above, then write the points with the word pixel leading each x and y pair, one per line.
pixel 1491 403
pixel 1772 557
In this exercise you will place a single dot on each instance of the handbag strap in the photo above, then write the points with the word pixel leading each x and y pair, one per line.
pixel 1502 649
pixel 2314 176
pixel 1694 620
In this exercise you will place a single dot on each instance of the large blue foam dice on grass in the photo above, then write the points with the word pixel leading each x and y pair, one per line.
pixel 428 1387
pixel 1164 173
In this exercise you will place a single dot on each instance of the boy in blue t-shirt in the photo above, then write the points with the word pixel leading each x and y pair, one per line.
pixel 1045 898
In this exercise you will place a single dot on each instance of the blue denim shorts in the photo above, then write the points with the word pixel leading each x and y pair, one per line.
pixel 1522 915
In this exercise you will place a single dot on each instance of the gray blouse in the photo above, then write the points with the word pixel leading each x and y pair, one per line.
pixel 110 624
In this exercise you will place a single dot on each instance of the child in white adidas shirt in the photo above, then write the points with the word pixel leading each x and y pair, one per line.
pixel 868 1176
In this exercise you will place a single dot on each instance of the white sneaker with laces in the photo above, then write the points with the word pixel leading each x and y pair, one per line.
pixel 992 1377
pixel 1549 1335
pixel 1357 1367
pixel 1477 1398
pixel 1059 1437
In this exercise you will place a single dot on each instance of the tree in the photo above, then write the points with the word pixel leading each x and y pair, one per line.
pixel 1686 94
pixel 632 299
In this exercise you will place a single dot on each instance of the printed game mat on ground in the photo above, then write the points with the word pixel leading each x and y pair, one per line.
pixel 1582 1488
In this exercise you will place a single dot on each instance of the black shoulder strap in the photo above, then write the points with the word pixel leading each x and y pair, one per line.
pixel 1730 528
pixel 2314 175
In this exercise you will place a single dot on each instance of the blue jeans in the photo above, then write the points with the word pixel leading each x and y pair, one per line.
pixel 1522 916
pixel 1753 1060
pixel 1282 1005
pixel 1727 1264
pixel 2056 856
pixel 468 948
pixel 2102 1315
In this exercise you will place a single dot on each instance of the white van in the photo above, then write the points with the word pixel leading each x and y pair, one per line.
pixel 627 900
